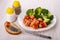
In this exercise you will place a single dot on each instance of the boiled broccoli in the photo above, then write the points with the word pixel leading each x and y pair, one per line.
pixel 38 10
pixel 48 21
pixel 30 12
pixel 49 16
pixel 44 11
pixel 38 16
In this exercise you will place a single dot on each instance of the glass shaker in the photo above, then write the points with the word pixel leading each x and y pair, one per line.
pixel 17 7
pixel 11 16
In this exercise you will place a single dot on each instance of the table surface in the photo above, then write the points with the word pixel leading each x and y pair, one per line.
pixel 52 5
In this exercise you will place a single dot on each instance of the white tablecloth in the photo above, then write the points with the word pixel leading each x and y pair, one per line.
pixel 52 5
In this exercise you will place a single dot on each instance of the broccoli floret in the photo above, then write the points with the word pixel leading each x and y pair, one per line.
pixel 30 12
pixel 38 10
pixel 48 21
pixel 38 16
pixel 49 16
pixel 44 11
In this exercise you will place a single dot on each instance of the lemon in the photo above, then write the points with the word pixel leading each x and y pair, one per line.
pixel 16 3
pixel 10 10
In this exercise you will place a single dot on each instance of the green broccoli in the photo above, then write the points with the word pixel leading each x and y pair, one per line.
pixel 38 16
pixel 49 16
pixel 44 11
pixel 30 12
pixel 38 10
pixel 48 21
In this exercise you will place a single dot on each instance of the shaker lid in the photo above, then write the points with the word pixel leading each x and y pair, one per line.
pixel 16 3
pixel 10 10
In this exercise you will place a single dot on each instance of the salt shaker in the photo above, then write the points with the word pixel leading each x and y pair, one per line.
pixel 17 7
pixel 10 14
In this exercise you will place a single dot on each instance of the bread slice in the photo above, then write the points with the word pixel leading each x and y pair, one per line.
pixel 13 29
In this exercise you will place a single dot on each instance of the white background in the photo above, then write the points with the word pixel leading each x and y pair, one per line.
pixel 52 5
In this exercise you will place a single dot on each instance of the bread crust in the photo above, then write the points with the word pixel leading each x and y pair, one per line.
pixel 12 32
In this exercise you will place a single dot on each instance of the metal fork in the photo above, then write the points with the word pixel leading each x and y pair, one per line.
pixel 40 35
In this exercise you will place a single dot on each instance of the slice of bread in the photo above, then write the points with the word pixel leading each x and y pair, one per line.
pixel 12 28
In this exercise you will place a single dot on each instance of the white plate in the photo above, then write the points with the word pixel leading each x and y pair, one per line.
pixel 33 4
pixel 20 21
